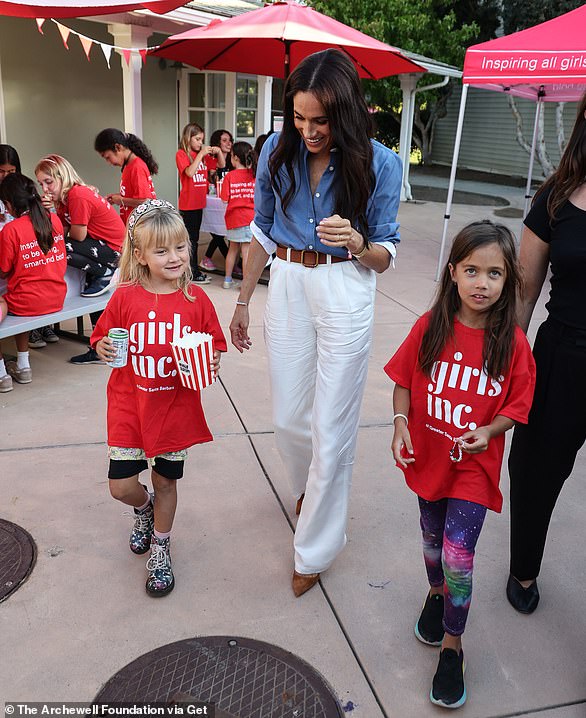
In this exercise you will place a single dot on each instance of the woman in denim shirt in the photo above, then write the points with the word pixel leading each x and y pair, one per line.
pixel 326 201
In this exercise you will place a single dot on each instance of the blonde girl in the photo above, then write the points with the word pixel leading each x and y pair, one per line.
pixel 152 419
pixel 193 167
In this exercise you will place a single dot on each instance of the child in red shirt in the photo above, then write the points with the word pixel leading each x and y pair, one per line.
pixel 32 258
pixel 238 193
pixel 194 161
pixel 125 150
pixel 463 376
pixel 151 416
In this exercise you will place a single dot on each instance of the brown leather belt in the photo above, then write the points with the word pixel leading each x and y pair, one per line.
pixel 309 258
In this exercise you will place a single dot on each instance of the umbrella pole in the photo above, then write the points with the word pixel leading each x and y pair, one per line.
pixel 452 179
pixel 532 154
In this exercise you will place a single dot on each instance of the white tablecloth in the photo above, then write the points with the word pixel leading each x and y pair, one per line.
pixel 213 216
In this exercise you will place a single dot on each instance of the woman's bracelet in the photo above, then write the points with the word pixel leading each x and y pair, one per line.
pixel 362 252
pixel 401 416
pixel 242 304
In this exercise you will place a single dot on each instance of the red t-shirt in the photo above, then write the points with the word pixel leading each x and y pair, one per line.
pixel 135 183
pixel 86 207
pixel 194 189
pixel 148 408
pixel 36 283
pixel 238 191
pixel 459 397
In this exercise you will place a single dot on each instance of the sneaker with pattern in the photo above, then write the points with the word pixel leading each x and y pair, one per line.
pixel 142 531
pixel 160 581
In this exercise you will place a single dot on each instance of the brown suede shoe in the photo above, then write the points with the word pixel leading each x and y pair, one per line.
pixel 302 582
pixel 298 504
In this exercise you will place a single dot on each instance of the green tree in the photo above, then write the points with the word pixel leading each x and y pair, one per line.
pixel 438 29
pixel 521 14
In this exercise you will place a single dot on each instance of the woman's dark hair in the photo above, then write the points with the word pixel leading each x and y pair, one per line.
pixel 215 140
pixel 108 139
pixel 22 194
pixel 332 78
pixel 260 140
pixel 9 156
pixel 499 332
pixel 571 171
pixel 246 155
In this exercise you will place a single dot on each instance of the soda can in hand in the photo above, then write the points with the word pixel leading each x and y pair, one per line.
pixel 119 339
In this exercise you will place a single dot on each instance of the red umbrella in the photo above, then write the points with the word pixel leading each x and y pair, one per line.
pixel 83 8
pixel 274 39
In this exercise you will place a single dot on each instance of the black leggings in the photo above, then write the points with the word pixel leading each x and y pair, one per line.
pixel 192 221
pixel 94 256
pixel 543 452
pixel 218 242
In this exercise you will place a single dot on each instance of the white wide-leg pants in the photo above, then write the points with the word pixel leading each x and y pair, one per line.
pixel 318 329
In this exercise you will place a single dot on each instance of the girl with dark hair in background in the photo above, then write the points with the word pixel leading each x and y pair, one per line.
pixel 125 150
pixel 9 164
pixel 238 193
pixel 32 258
pixel 224 140
pixel 543 452
pixel 326 201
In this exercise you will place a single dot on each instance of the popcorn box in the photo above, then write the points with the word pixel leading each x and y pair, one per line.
pixel 193 354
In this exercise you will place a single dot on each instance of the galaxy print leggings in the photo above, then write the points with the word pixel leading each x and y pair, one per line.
pixel 451 528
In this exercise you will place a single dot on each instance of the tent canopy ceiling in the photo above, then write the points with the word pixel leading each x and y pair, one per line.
pixel 83 8
pixel 546 61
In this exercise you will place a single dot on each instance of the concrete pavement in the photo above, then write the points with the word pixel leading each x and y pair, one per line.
pixel 83 614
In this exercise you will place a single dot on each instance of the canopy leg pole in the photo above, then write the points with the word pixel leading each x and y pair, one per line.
pixel 538 107
pixel 457 142
pixel 408 84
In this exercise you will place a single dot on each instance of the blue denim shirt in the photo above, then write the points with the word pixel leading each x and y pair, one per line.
pixel 298 228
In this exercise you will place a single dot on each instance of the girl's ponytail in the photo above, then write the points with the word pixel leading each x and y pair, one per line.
pixel 108 139
pixel 246 155
pixel 22 194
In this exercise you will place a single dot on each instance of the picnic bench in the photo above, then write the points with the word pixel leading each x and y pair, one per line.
pixel 74 307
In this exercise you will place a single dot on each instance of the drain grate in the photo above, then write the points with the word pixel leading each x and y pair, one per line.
pixel 18 554
pixel 243 677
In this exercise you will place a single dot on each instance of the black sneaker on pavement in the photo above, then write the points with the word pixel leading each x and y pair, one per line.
pixel 201 278
pixel 90 357
pixel 35 340
pixel 448 689
pixel 48 335
pixel 98 285
pixel 429 628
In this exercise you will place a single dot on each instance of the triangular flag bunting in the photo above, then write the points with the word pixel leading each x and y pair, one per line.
pixel 86 44
pixel 126 54
pixel 64 33
pixel 143 53
pixel 107 50
pixel 40 21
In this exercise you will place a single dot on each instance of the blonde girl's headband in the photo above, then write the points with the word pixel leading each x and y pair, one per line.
pixel 148 207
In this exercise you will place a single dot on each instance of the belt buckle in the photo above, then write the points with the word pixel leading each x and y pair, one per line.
pixel 309 251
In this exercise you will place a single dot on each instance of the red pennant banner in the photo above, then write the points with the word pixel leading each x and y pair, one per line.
pixel 65 32
pixel 126 54
pixel 40 21
pixel 143 54
pixel 86 43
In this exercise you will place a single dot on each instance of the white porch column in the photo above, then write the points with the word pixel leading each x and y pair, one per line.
pixel 131 36
pixel 265 101
pixel 408 85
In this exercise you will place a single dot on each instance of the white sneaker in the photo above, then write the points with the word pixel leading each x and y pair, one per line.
pixel 230 284
pixel 5 384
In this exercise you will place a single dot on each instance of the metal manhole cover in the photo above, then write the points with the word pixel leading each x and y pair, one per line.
pixel 243 677
pixel 18 554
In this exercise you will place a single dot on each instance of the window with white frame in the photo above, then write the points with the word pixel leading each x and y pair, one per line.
pixel 207 100
pixel 246 105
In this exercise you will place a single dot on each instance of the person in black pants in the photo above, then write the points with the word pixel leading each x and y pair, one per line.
pixel 543 452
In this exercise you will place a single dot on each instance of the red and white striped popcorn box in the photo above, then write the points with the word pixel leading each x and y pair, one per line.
pixel 193 354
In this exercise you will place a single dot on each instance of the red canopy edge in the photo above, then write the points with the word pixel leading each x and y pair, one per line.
pixel 84 8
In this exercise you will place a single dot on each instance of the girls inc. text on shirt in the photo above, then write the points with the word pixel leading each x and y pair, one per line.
pixel 453 375
pixel 153 333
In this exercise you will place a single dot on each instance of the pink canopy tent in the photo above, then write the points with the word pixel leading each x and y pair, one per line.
pixel 83 8
pixel 545 63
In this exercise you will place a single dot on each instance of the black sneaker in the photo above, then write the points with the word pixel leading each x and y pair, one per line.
pixel 90 357
pixel 48 334
pixel 98 285
pixel 448 689
pixel 201 278
pixel 160 581
pixel 142 531
pixel 429 628
pixel 35 340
